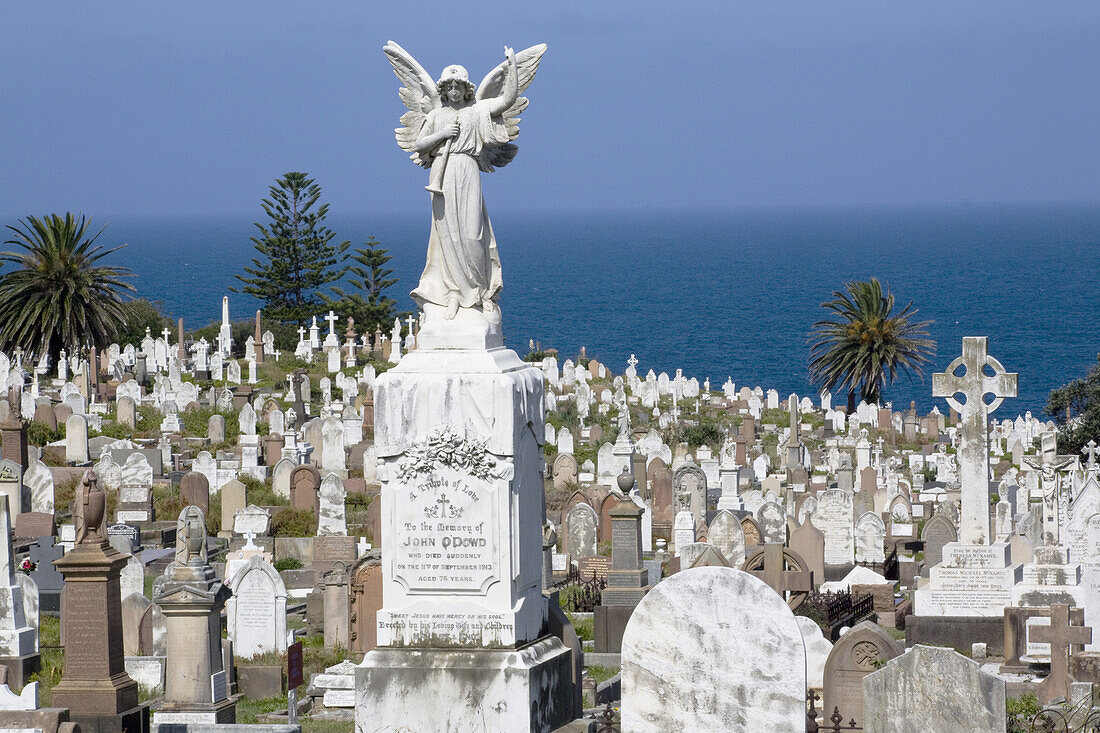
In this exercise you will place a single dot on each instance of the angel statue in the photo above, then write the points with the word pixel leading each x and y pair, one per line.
pixel 459 132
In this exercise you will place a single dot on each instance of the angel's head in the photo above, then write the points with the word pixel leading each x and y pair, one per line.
pixel 454 85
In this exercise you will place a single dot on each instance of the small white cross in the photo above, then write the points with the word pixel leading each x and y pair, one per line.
pixel 632 361
pixel 332 318
pixel 301 333
pixel 1090 451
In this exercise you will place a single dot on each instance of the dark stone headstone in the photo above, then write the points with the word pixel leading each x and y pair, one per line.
pixel 195 491
pixel 125 538
pixel 34 524
pixel 49 580
pixel 937 532
pixel 330 549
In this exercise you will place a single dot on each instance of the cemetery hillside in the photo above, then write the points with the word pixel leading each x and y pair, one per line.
pixel 314 480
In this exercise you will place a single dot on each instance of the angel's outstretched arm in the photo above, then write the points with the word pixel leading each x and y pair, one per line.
pixel 511 86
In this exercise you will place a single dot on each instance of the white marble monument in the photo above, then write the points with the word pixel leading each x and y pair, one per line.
pixel 458 432
pixel 976 576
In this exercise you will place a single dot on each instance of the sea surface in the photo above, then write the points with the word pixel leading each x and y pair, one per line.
pixel 717 294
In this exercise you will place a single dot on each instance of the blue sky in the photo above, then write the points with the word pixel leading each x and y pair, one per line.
pixel 195 107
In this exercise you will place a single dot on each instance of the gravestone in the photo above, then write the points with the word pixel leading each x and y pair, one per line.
pixel 937 532
pixel 215 429
pixel 332 456
pixel 580 532
pixel 366 600
pixel 751 529
pixel 726 535
pixel 834 517
pixel 280 478
pixel 870 539
pixel 933 690
pixel 331 518
pixel 773 523
pixel 135 499
pixel 256 614
pixel 234 498
pixel 859 652
pixel 694 633
pixel 76 439
pixel 808 543
pixel 195 491
pixel 45 574
pixel 305 481
pixel 38 481
pixel 18 639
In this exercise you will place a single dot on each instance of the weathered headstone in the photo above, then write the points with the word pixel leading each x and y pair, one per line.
pixel 933 690
pixel 725 533
pixel 834 517
pixel 696 631
pixel 580 531
pixel 859 652
pixel 331 517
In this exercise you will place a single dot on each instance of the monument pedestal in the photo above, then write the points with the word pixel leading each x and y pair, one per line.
pixel 21 668
pixel 196 686
pixel 463 640
pixel 972 580
pixel 525 689
pixel 95 686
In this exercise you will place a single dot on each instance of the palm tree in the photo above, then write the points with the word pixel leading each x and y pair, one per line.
pixel 57 296
pixel 866 345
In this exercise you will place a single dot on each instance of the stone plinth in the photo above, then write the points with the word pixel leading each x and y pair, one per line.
pixel 461 645
pixel 527 689
pixel 1050 579
pixel 972 580
pixel 94 685
pixel 195 686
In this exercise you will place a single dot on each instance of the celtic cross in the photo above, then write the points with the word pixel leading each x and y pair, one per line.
pixel 973 453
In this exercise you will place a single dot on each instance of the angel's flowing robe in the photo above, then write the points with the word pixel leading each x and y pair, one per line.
pixel 462 264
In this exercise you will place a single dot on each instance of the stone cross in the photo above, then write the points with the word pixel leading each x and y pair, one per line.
pixel 632 361
pixel 1060 635
pixel 1090 451
pixel 332 318
pixel 301 334
pixel 780 580
pixel 973 452
pixel 166 333
pixel 411 321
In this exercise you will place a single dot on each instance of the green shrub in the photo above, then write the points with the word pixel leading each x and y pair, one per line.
pixel 261 493
pixel 39 433
pixel 112 429
pixel 294 523
pixel 288 563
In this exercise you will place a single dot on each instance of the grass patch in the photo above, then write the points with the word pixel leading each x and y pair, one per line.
pixel 601 674
pixel 53 659
pixel 583 626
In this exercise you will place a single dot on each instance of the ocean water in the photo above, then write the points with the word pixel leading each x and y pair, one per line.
pixel 718 294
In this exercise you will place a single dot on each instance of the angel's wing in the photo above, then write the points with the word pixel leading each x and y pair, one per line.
pixel 527 63
pixel 419 94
